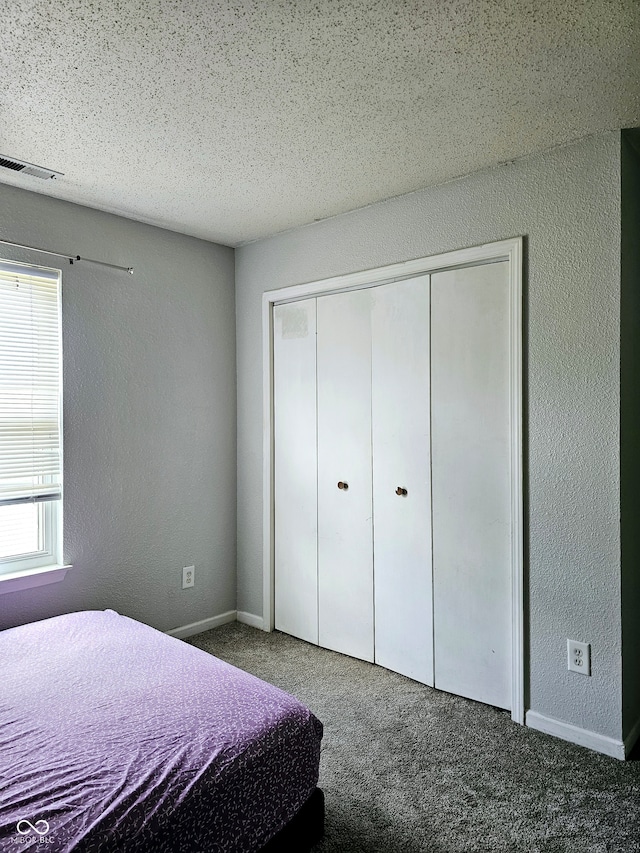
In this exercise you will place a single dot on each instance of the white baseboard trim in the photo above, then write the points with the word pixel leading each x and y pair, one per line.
pixel 574 734
pixel 203 625
pixel 631 739
pixel 250 619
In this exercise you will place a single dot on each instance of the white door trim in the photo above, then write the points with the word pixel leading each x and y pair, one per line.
pixel 509 250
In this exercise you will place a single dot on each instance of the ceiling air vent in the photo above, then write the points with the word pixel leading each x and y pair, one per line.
pixel 27 168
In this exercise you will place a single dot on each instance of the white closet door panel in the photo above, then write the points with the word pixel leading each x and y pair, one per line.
pixel 295 469
pixel 401 459
pixel 345 548
pixel 471 482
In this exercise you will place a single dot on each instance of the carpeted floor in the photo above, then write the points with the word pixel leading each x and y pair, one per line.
pixel 408 769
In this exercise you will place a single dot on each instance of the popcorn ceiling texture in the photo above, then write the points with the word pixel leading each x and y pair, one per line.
pixel 235 120
pixel 567 205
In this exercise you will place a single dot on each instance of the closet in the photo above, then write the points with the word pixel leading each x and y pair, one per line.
pixel 392 489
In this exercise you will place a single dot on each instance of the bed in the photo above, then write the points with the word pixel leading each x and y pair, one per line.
pixel 116 737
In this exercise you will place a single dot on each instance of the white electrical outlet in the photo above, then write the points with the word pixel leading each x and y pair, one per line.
pixel 579 657
pixel 188 576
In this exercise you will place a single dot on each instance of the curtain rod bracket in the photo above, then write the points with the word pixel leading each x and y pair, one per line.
pixel 64 255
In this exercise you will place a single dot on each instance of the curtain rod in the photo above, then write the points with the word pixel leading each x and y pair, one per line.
pixel 70 258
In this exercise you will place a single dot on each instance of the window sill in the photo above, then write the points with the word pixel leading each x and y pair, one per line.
pixel 29 578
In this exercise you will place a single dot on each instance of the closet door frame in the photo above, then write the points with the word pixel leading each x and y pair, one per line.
pixel 504 250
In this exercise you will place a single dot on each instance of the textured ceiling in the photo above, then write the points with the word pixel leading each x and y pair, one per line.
pixel 235 120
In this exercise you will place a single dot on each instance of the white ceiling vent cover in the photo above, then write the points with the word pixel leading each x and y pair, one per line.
pixel 27 168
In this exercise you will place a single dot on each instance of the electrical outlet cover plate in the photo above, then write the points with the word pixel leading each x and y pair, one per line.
pixel 188 576
pixel 579 657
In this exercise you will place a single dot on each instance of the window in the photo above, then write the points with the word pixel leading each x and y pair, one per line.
pixel 30 418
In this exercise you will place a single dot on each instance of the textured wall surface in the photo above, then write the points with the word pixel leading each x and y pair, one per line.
pixel 630 428
pixel 149 416
pixel 567 204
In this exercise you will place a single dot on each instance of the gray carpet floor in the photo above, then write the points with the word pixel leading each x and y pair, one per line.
pixel 409 769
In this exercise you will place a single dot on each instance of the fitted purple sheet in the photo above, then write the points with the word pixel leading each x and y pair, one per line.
pixel 115 737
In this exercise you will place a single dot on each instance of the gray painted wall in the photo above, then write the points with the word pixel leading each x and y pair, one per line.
pixel 630 428
pixel 567 204
pixel 149 417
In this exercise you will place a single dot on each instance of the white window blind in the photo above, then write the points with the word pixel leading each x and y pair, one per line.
pixel 30 383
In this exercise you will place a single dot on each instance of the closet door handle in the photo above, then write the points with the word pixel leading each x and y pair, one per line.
pixel 401 491
pixel 343 486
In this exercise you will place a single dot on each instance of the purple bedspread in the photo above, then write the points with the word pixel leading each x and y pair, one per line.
pixel 115 737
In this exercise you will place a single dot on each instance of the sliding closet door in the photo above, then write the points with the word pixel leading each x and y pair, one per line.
pixel 471 482
pixel 401 463
pixel 295 477
pixel 345 549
